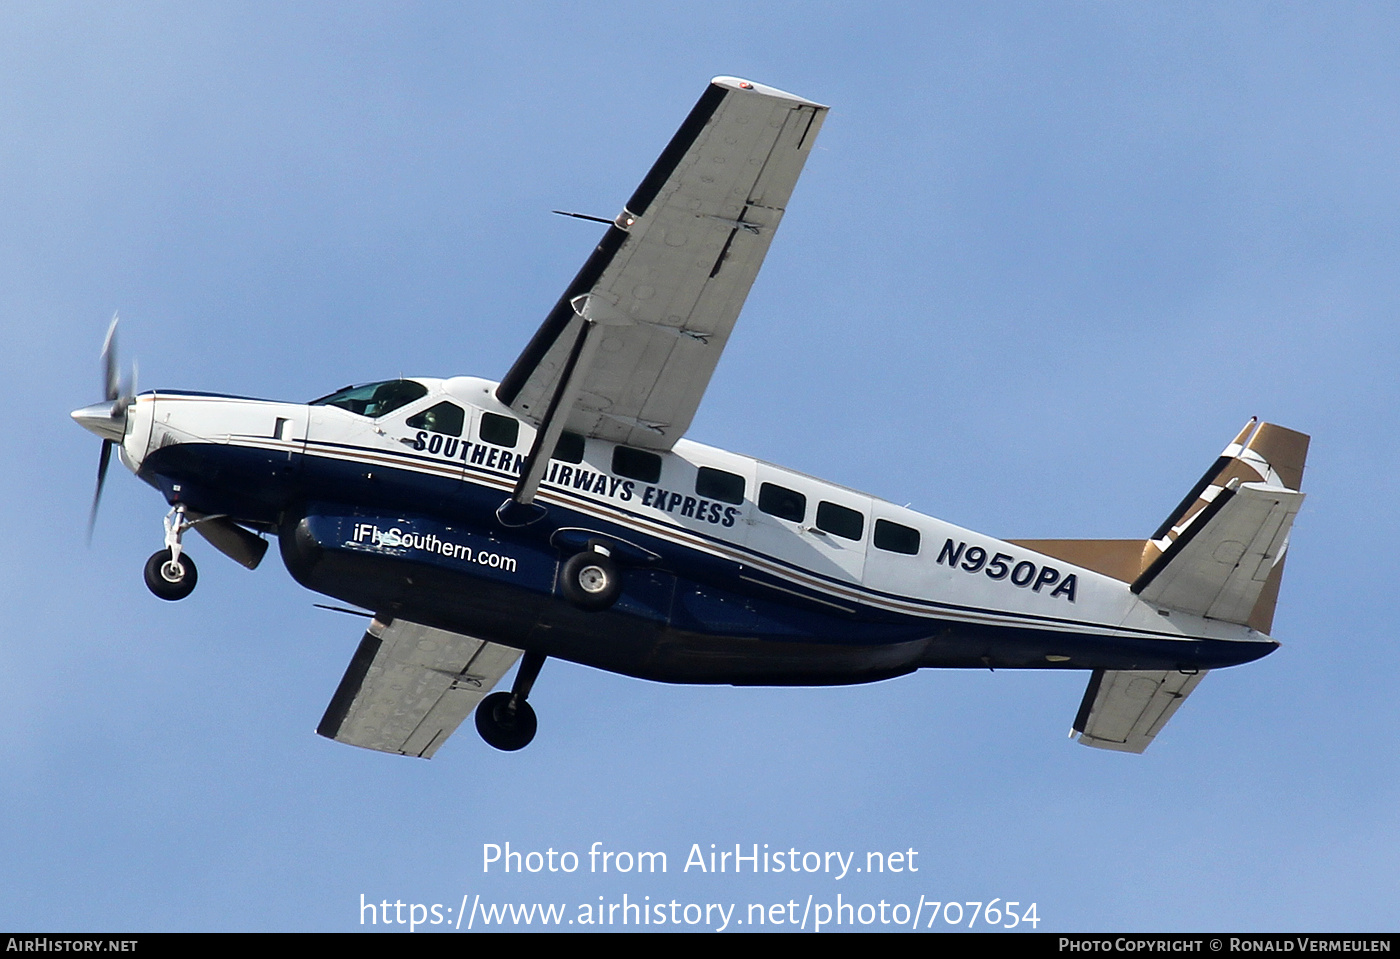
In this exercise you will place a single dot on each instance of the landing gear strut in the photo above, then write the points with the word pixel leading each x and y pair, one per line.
pixel 170 574
pixel 506 720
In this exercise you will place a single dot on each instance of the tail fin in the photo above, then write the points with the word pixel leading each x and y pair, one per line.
pixel 1220 553
pixel 1260 471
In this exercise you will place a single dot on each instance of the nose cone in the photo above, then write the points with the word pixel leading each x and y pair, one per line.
pixel 107 420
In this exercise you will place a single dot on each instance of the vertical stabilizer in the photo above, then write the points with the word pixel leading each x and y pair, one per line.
pixel 1220 553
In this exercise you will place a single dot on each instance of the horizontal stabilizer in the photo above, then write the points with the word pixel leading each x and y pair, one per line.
pixel 1218 566
pixel 1125 709
pixel 410 686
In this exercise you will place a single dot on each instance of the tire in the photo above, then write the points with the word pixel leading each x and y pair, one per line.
pixel 590 580
pixel 501 730
pixel 170 581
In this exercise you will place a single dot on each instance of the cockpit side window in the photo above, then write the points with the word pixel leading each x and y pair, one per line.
pixel 444 418
pixel 375 399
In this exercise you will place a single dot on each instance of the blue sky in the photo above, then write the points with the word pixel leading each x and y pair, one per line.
pixel 1045 261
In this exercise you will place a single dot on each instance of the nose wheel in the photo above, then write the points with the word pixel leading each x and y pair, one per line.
pixel 170 577
pixel 170 574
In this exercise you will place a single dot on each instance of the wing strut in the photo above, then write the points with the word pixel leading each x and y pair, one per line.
pixel 521 509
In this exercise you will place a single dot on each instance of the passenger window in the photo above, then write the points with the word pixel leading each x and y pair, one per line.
pixel 499 430
pixel 569 449
pixel 443 418
pixel 840 521
pixel 717 484
pixel 636 464
pixel 895 538
pixel 782 502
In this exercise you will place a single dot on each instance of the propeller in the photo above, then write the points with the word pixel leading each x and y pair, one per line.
pixel 108 418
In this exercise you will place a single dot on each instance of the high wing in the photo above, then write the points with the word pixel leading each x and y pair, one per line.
pixel 1125 709
pixel 628 350
pixel 410 686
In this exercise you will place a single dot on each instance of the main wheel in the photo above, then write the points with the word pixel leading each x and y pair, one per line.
pixel 502 730
pixel 169 579
pixel 590 580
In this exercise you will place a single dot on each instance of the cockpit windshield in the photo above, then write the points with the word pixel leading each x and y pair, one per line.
pixel 374 399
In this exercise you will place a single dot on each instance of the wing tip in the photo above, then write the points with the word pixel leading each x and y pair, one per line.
pixel 748 86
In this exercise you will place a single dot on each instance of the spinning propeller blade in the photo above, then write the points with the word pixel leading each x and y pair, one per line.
pixel 107 419
pixel 111 387
pixel 101 478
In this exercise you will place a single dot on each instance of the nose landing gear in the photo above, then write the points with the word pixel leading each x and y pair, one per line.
pixel 170 574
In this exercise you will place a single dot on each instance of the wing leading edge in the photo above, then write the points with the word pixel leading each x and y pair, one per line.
pixel 658 297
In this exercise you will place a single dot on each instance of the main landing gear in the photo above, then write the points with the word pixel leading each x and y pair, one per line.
pixel 506 720
pixel 590 579
pixel 170 574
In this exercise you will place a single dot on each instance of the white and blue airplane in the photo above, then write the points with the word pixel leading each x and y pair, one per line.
pixel 561 512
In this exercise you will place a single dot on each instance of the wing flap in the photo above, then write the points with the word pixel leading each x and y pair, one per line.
pixel 409 687
pixel 1126 709
pixel 668 280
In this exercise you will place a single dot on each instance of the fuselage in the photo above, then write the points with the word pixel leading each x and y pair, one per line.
pixel 734 570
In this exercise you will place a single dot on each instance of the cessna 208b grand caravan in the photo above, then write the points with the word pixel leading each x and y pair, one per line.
pixel 561 512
